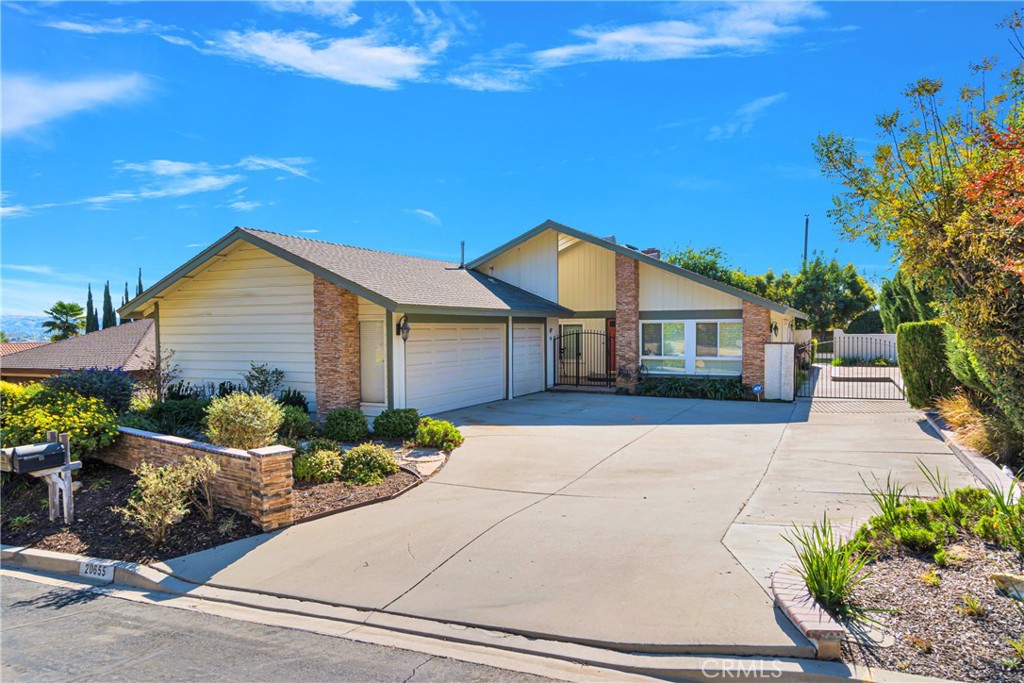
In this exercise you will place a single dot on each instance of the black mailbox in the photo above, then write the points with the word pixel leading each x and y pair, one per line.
pixel 34 457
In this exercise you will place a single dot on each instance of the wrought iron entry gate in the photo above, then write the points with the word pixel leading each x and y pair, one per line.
pixel 584 359
pixel 850 366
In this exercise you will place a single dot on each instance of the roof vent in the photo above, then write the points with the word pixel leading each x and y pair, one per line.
pixel 653 252
pixel 630 246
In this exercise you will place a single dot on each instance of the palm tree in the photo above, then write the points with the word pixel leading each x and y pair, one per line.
pixel 66 320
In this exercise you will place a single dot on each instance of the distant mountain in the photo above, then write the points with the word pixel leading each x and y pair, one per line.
pixel 24 327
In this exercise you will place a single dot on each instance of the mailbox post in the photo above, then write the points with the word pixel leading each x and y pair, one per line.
pixel 44 461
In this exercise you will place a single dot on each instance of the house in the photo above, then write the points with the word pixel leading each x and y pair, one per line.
pixel 7 348
pixel 130 347
pixel 370 329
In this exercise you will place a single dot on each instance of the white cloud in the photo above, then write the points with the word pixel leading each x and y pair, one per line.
pixel 338 12
pixel 743 119
pixel 119 25
pixel 195 245
pixel 29 101
pixel 492 80
pixel 740 28
pixel 291 165
pixel 13 210
pixel 163 167
pixel 177 187
pixel 363 60
pixel 425 215
pixel 243 205
pixel 309 232
pixel 37 270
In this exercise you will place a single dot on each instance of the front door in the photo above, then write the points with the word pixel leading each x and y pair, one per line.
pixel 610 331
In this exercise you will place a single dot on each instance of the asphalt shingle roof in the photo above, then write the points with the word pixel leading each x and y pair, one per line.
pixel 409 280
pixel 131 346
pixel 7 348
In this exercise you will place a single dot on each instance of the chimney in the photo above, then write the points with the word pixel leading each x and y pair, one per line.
pixel 653 252
pixel 462 258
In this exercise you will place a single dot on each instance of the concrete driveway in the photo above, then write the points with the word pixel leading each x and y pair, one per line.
pixel 638 523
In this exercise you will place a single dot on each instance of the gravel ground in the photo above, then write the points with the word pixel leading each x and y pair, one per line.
pixel 932 637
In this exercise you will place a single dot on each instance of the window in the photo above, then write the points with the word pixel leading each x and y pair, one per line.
pixel 372 361
pixel 663 347
pixel 719 348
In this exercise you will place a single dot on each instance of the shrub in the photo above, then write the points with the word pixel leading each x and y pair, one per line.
pixel 186 390
pixel 368 464
pixel 226 389
pixel 320 444
pixel 159 500
pixel 294 397
pixel 692 387
pixel 89 422
pixel 319 465
pixel 199 473
pixel 296 423
pixel 830 568
pixel 396 423
pixel 11 394
pixel 243 420
pixel 263 379
pixel 113 387
pixel 963 364
pixel 184 417
pixel 868 322
pixel 441 434
pixel 345 424
pixel 922 352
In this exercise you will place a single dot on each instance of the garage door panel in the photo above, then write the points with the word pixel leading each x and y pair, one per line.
pixel 527 358
pixel 452 366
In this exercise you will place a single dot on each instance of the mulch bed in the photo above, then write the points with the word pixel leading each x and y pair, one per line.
pixel 932 637
pixel 99 531
pixel 311 499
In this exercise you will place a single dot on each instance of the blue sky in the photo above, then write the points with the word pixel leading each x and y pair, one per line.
pixel 134 134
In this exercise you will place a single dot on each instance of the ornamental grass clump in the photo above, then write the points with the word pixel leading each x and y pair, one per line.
pixel 243 420
pixel 831 568
pixel 369 464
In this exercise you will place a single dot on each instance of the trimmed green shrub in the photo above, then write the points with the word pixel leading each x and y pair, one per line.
pixel 441 434
pixel 368 464
pixel 243 420
pixel 113 387
pixel 320 444
pixel 692 387
pixel 396 423
pixel 293 397
pixel 963 364
pixel 345 424
pixel 868 322
pixel 922 352
pixel 183 417
pixel 296 423
pixel 319 465
pixel 159 500
pixel 90 423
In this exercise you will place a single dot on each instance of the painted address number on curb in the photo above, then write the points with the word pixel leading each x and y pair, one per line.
pixel 104 571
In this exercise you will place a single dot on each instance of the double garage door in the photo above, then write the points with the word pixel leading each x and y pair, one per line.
pixel 450 366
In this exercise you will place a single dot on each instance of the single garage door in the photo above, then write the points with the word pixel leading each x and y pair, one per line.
pixel 527 358
pixel 450 366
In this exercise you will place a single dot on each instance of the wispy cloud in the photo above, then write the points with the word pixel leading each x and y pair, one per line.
pixel 309 232
pixel 30 101
pixel 36 270
pixel 743 119
pixel 244 205
pixel 424 215
pixel 291 165
pixel 337 12
pixel 119 25
pixel 195 245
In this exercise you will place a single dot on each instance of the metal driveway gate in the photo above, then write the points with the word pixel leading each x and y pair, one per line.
pixel 851 366
pixel 583 358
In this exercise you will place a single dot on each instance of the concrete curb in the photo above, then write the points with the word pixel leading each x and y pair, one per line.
pixel 810 618
pixel 980 466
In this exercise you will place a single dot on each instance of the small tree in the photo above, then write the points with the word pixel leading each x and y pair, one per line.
pixel 902 301
pixel 263 379
pixel 138 287
pixel 66 320
pixel 3 337
pixel 91 320
pixel 109 316
pixel 830 294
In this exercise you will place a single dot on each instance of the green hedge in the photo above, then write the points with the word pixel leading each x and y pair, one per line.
pixel 921 348
pixel 963 364
pixel 868 322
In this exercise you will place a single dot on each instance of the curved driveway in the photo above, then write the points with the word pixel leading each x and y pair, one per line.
pixel 638 523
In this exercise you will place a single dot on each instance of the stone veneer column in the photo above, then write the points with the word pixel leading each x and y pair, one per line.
pixel 627 321
pixel 335 347
pixel 271 472
pixel 757 332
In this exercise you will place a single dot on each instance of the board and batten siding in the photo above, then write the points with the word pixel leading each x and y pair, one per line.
pixel 532 265
pixel 662 291
pixel 249 306
pixel 586 278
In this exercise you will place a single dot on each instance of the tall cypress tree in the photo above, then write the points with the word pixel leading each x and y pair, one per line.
pixel 109 317
pixel 92 322
pixel 138 287
pixel 125 301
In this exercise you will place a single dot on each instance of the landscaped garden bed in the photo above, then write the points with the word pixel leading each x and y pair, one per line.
pixel 313 499
pixel 99 531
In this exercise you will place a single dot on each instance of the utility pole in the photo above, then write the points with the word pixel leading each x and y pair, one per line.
pixel 807 228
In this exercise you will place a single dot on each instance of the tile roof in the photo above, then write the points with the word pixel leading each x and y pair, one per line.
pixel 13 347
pixel 131 346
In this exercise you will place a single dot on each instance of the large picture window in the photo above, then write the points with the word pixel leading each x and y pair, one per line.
pixel 719 348
pixel 663 347
pixel 699 347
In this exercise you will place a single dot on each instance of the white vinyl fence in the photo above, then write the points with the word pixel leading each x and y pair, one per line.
pixel 864 346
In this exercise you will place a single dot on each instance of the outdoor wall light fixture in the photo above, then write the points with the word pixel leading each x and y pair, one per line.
pixel 402 328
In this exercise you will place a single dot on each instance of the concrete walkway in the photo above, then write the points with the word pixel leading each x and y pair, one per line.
pixel 638 523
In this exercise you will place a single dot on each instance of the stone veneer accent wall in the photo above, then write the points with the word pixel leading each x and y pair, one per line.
pixel 757 332
pixel 627 321
pixel 335 347
pixel 257 483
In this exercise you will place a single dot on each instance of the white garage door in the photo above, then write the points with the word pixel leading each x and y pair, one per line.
pixel 450 366
pixel 527 359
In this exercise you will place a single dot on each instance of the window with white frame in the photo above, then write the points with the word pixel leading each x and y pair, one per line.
pixel 663 347
pixel 719 347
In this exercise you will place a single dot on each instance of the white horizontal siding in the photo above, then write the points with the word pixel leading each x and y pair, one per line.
pixel 663 291
pixel 370 311
pixel 248 307
pixel 532 265
pixel 586 278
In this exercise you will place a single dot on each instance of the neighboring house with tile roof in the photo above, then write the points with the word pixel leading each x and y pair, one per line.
pixel 130 346
pixel 7 348
pixel 369 329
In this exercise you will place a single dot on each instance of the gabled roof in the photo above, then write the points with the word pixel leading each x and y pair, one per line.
pixel 395 281
pixel 643 258
pixel 7 348
pixel 129 346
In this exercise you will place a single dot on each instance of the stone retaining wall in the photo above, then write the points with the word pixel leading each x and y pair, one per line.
pixel 257 483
